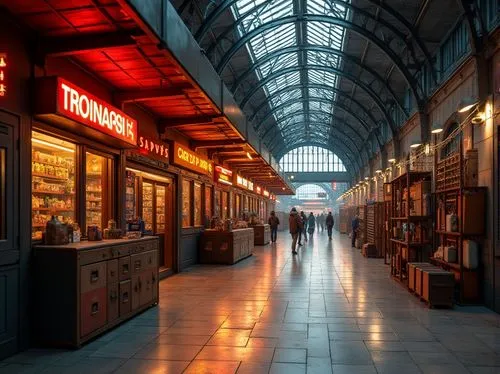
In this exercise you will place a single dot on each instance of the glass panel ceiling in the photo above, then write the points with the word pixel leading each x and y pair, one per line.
pixel 252 14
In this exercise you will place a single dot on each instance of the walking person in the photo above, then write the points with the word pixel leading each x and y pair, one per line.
pixel 322 222
pixel 354 232
pixel 296 226
pixel 273 222
pixel 311 224
pixel 329 224
pixel 304 226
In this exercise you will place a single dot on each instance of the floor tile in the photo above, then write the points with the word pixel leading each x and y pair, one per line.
pixel 254 368
pixel 169 352
pixel 220 353
pixel 317 365
pixel 96 365
pixel 212 367
pixel 443 368
pixel 281 368
pixel 354 369
pixel 134 366
pixel 392 368
pixel 350 353
pixel 183 339
pixel 291 355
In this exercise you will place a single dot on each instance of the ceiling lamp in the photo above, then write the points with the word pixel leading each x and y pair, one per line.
pixel 466 104
pixel 378 171
pixel 392 160
pixel 437 128
pixel 249 156
pixel 415 144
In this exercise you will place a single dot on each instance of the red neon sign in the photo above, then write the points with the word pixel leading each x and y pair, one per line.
pixel 150 147
pixel 75 103
pixel 3 65
pixel 223 175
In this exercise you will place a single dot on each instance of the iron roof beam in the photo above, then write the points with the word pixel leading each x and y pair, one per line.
pixel 380 43
pixel 367 89
pixel 313 48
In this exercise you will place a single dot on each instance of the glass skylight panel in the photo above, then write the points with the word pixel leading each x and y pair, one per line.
pixel 325 34
pixel 256 13
pixel 319 92
pixel 322 77
pixel 278 63
pixel 282 81
pixel 326 7
pixel 286 96
pixel 323 59
pixel 277 38
pixel 319 106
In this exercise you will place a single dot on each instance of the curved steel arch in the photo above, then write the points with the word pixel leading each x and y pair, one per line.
pixel 372 94
pixel 345 137
pixel 353 147
pixel 325 87
pixel 355 165
pixel 326 126
pixel 224 5
pixel 325 19
pixel 320 100
pixel 314 48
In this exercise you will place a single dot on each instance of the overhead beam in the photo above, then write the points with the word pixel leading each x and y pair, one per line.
pixel 217 143
pixel 68 46
pixel 188 121
pixel 122 97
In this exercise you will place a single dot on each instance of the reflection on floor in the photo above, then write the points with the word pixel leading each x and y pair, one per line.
pixel 327 309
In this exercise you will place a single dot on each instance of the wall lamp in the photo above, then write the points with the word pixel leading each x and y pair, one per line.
pixel 437 128
pixel 466 104
pixel 392 160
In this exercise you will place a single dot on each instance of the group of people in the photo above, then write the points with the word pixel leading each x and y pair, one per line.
pixel 300 225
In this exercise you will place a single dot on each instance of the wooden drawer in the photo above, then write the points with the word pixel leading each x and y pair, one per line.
pixel 135 285
pixel 125 297
pixel 93 276
pixel 113 302
pixel 112 271
pixel 93 310
pixel 146 291
pixel 143 261
pixel 94 255
pixel 124 270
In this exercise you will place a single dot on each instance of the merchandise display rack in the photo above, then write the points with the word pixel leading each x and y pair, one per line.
pixel 361 237
pixel 411 221
pixel 386 237
pixel 375 226
pixel 468 204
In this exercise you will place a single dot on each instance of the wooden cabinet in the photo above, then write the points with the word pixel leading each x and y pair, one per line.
pixel 222 247
pixel 84 289
pixel 262 234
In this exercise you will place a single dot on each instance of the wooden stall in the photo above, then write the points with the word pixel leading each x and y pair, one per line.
pixel 262 234
pixel 375 225
pixel 226 247
pixel 84 289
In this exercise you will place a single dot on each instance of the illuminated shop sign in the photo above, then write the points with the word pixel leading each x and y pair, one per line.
pixel 241 182
pixel 57 96
pixel 153 148
pixel 3 74
pixel 250 186
pixel 190 160
pixel 223 175
pixel 265 193
pixel 258 190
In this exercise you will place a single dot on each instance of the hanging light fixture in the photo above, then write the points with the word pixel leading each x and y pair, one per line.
pixel 466 104
pixel 437 128
pixel 392 160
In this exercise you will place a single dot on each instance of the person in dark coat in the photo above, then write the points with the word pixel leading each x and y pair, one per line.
pixel 355 229
pixel 296 226
pixel 329 224
pixel 311 224
pixel 273 222
pixel 304 227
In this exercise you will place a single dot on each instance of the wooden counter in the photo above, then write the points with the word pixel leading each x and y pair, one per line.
pixel 226 247
pixel 262 234
pixel 84 289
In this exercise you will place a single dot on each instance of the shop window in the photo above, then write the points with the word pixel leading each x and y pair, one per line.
pixel 160 208
pixel 147 206
pixel 237 204
pixel 130 200
pixel 453 143
pixel 3 188
pixel 224 205
pixel 197 205
pixel 95 197
pixel 53 181
pixel 217 204
pixel 186 203
pixel 208 203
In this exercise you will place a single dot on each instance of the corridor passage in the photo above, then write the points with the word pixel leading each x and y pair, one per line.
pixel 326 310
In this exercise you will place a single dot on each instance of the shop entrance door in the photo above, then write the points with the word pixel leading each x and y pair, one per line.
pixel 157 213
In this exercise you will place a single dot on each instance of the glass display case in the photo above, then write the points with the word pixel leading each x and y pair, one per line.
pixel 95 174
pixel 147 206
pixel 160 208
pixel 53 181
pixel 186 203
pixel 130 196
pixel 197 205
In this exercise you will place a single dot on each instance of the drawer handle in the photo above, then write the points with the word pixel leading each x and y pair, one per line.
pixel 137 264
pixel 113 296
pixel 94 276
pixel 124 297
pixel 95 308
pixel 125 269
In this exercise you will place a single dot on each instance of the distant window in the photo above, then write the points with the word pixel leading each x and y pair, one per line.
pixel 311 159
pixel 311 192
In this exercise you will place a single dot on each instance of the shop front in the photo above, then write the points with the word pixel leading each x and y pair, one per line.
pixel 195 181
pixel 150 191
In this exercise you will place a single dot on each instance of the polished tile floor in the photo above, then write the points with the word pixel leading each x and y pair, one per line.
pixel 326 310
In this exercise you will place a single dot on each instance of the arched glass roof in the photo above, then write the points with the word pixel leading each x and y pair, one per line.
pixel 311 159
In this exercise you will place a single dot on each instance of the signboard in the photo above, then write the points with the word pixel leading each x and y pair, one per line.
pixel 241 182
pixel 153 148
pixel 182 156
pixel 57 96
pixel 266 193
pixel 258 190
pixel 3 74
pixel 250 186
pixel 223 175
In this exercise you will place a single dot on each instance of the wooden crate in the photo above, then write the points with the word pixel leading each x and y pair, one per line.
pixel 438 287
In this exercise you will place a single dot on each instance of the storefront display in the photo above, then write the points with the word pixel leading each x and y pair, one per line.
pixel 95 169
pixel 197 205
pixel 208 203
pixel 186 203
pixel 53 181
